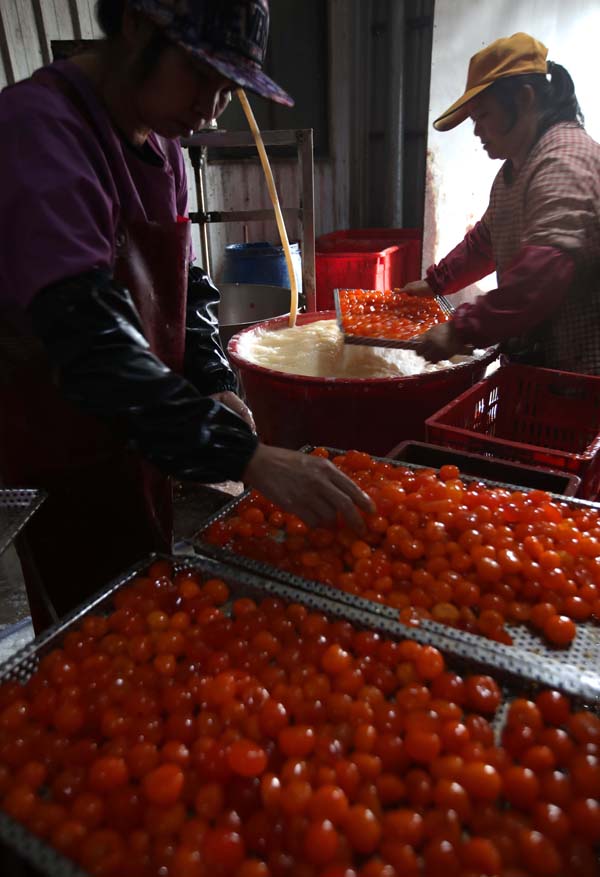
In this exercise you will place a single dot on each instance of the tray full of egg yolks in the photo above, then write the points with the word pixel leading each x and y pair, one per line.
pixel 194 719
pixel 463 556
pixel 389 318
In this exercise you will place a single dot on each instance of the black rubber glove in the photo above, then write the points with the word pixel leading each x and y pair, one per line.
pixel 205 364
pixel 93 336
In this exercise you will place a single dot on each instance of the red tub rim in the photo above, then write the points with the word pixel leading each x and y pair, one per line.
pixel 279 322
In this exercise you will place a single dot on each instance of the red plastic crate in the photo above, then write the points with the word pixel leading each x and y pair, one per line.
pixel 366 270
pixel 410 239
pixel 533 415
pixel 366 258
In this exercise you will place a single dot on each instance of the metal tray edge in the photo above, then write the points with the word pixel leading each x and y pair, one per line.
pixel 38 496
pixel 367 341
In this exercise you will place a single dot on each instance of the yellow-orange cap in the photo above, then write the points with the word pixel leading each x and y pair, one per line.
pixel 508 56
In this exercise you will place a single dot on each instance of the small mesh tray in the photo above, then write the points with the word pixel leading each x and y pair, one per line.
pixel 16 507
pixel 367 341
pixel 583 654
pixel 519 675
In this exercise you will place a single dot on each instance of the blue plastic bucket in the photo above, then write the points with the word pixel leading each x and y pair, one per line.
pixel 261 263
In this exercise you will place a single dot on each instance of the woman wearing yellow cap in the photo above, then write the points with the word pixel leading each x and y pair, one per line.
pixel 541 230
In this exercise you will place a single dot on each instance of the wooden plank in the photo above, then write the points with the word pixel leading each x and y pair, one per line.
pixel 21 45
pixel 6 74
pixel 88 26
pixel 41 31
pixel 55 18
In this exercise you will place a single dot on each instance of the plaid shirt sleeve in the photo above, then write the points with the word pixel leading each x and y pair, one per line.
pixel 532 289
pixel 471 260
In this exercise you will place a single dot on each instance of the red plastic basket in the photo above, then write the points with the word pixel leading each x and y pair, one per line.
pixel 358 270
pixel 365 258
pixel 540 416
pixel 410 239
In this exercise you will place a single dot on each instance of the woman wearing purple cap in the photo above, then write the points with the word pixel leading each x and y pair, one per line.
pixel 112 376
pixel 541 231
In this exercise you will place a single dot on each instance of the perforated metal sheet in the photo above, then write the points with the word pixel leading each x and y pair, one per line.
pixel 16 507
pixel 582 656
pixel 519 675
pixel 366 341
pixel 584 651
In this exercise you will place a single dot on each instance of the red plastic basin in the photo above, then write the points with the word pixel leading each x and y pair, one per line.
pixel 368 414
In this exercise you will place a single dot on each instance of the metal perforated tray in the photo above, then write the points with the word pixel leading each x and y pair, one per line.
pixel 16 507
pixel 583 655
pixel 519 676
pixel 368 341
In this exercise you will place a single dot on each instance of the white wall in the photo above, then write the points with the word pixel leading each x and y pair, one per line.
pixel 459 173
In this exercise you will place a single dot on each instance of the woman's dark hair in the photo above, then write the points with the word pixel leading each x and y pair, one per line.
pixel 110 18
pixel 555 96
pixel 109 14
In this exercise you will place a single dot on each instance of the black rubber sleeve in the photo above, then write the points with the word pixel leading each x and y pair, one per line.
pixel 206 365
pixel 93 336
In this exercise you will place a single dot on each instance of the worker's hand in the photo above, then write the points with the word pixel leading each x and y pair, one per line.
pixel 230 400
pixel 310 487
pixel 418 288
pixel 441 342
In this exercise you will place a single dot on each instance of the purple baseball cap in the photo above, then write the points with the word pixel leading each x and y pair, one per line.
pixel 229 35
